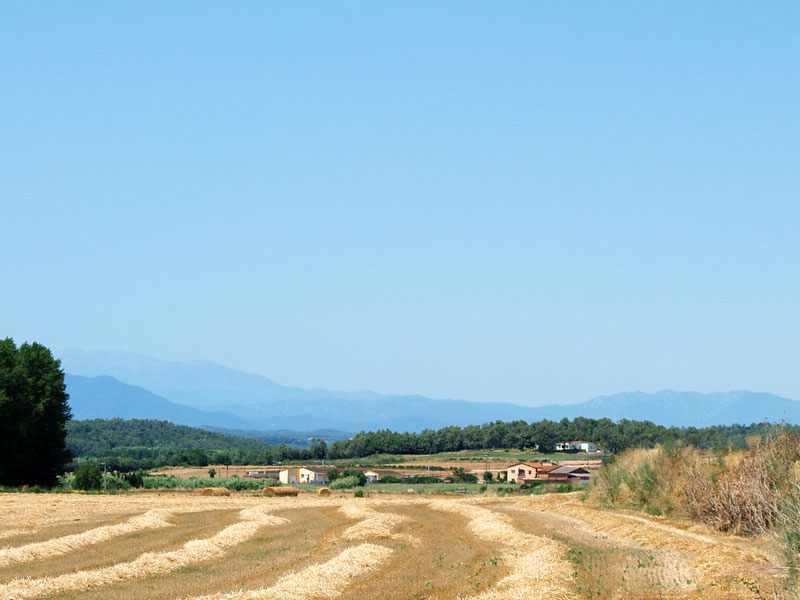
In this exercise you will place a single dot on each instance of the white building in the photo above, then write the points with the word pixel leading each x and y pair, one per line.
pixel 579 445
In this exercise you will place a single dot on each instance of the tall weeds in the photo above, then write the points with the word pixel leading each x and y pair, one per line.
pixel 747 492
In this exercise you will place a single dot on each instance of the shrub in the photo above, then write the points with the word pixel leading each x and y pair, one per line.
pixel 422 479
pixel 113 483
pixel 531 485
pixel 233 483
pixel 134 478
pixel 345 483
pixel 87 477
pixel 644 479
pixel 358 494
pixel 359 475
pixel 459 476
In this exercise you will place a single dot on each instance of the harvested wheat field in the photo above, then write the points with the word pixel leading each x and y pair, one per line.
pixel 179 546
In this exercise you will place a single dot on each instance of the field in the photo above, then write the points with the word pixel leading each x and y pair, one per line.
pixel 183 545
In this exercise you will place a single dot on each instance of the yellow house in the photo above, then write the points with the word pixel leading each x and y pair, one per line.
pixel 302 475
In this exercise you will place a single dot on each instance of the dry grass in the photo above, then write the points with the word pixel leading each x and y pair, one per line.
pixel 318 581
pixel 372 524
pixel 736 497
pixel 300 547
pixel 721 566
pixel 539 569
pixel 146 564
pixel 152 519
pixel 606 567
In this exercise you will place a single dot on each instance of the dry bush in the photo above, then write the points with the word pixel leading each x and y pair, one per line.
pixel 323 492
pixel 736 495
pixel 280 491
pixel 645 478
pixel 215 491
pixel 738 491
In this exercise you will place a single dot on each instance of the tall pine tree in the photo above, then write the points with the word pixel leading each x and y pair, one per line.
pixel 33 415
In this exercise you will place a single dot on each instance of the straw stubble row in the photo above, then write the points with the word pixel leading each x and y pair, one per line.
pixel 538 568
pixel 150 563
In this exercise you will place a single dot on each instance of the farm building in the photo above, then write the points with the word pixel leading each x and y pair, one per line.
pixel 528 471
pixel 579 445
pixel 302 475
pixel 569 475
pixel 263 474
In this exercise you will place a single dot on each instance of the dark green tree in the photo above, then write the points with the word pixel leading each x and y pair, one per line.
pixel 88 477
pixel 33 415
pixel 318 448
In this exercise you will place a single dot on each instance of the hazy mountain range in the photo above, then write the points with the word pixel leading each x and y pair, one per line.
pixel 105 384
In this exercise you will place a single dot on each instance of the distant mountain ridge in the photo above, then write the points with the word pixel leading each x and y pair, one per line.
pixel 104 397
pixel 201 393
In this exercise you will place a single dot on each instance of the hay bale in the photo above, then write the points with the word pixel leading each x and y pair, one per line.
pixel 410 490
pixel 324 492
pixel 215 491
pixel 280 491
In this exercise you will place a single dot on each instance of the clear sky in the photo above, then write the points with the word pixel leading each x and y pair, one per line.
pixel 529 202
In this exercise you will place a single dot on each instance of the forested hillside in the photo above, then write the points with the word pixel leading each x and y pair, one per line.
pixel 108 437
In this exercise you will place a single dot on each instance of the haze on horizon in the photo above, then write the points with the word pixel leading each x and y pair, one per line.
pixel 539 206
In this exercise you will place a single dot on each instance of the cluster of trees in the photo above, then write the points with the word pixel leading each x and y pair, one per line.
pixel 33 412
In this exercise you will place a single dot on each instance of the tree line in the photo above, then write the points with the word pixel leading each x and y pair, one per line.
pixel 543 435
pixel 142 444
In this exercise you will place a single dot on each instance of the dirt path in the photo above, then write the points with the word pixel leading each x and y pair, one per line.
pixel 625 552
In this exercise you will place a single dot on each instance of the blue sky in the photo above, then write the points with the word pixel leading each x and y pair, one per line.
pixel 533 202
